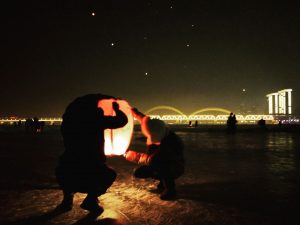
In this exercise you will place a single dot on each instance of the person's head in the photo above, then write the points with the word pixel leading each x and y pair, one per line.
pixel 154 129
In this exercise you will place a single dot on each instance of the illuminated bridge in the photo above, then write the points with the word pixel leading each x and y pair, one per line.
pixel 220 118
pixel 220 115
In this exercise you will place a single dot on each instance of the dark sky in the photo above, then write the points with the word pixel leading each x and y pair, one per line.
pixel 185 54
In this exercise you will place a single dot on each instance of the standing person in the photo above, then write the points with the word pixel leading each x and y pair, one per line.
pixel 234 122
pixel 196 123
pixel 164 158
pixel 231 123
pixel 82 166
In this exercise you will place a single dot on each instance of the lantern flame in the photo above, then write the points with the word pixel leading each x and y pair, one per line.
pixel 117 140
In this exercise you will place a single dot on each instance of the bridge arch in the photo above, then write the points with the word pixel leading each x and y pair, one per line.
pixel 164 107
pixel 211 109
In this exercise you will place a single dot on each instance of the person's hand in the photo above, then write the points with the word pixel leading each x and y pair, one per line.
pixel 136 113
pixel 131 155
pixel 115 106
pixel 134 110
pixel 125 153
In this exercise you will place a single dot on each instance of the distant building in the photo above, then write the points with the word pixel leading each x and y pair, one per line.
pixel 280 103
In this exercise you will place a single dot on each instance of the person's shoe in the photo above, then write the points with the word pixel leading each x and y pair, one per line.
pixel 92 206
pixel 66 204
pixel 168 195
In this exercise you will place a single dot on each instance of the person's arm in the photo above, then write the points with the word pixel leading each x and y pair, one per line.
pixel 136 157
pixel 117 121
pixel 137 114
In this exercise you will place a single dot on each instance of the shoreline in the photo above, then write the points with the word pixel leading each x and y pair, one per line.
pixel 240 128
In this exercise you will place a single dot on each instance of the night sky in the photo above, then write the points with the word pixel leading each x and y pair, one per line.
pixel 185 54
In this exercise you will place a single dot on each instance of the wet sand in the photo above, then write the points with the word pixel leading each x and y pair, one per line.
pixel 248 178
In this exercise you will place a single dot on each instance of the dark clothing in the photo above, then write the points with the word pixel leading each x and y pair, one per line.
pixel 231 123
pixel 150 172
pixel 162 161
pixel 82 165
pixel 167 158
pixel 85 180
pixel 165 162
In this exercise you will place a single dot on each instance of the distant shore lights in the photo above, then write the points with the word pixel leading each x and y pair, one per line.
pixel 280 102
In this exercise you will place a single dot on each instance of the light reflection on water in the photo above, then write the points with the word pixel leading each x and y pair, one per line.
pixel 279 141
pixel 222 141
pixel 243 153
pixel 269 161
pixel 281 152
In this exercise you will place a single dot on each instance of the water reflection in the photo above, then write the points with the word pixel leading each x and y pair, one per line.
pixel 279 141
pixel 244 154
pixel 281 153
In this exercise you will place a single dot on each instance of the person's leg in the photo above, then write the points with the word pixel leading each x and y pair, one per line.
pixel 103 180
pixel 67 202
pixel 149 172
pixel 144 172
pixel 65 184
pixel 169 192
pixel 108 178
pixel 91 203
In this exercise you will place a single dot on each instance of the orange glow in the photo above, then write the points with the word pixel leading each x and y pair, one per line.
pixel 117 140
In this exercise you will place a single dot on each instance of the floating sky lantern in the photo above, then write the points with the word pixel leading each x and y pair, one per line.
pixel 117 140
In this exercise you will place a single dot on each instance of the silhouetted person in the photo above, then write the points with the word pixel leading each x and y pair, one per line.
pixel 229 119
pixel 164 159
pixel 19 123
pixel 190 123
pixel 234 121
pixel 82 166
pixel 196 123
pixel 41 126
pixel 29 125
pixel 262 124
pixel 231 123
pixel 36 125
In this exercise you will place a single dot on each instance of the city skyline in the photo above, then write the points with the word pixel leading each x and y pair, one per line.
pixel 185 54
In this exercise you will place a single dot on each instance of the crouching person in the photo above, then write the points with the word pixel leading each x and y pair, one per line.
pixel 82 166
pixel 164 159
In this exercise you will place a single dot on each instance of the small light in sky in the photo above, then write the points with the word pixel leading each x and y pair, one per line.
pixel 112 44
pixel 188 45
pixel 244 89
pixel 93 14
pixel 193 25
pixel 146 73
pixel 171 7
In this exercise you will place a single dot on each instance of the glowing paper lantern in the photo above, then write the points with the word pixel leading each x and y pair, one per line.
pixel 117 140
